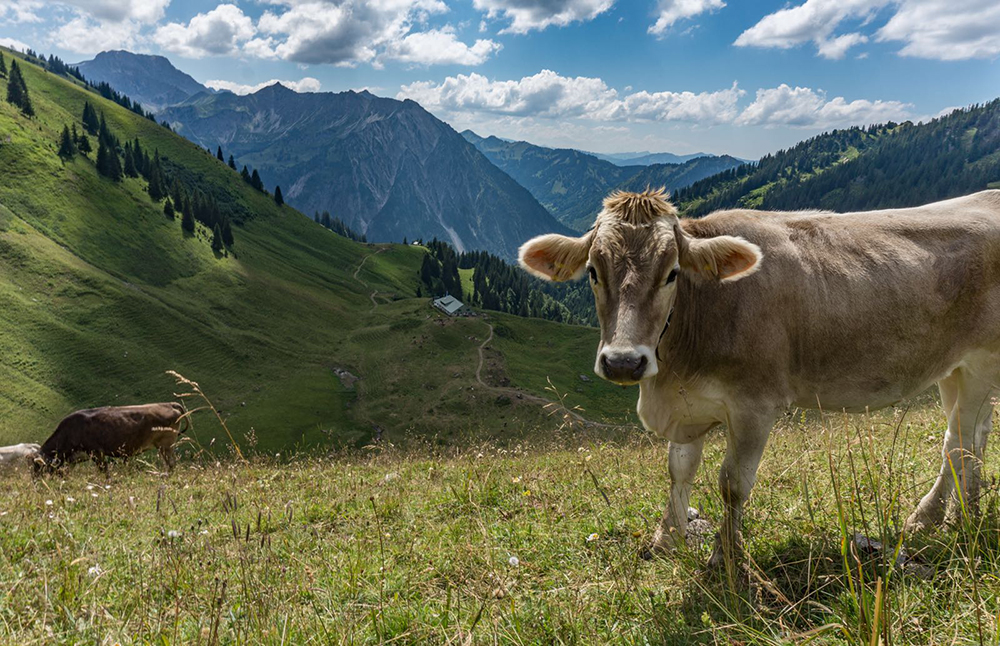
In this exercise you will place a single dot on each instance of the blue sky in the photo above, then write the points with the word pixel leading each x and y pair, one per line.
pixel 719 76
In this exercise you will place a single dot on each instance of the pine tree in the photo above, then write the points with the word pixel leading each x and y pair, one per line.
pixel 66 146
pixel 3 66
pixel 245 174
pixel 227 232
pixel 90 122
pixel 256 182
pixel 187 219
pixel 232 162
pixel 17 90
pixel 74 134
pixel 83 144
pixel 217 239
pixel 129 166
pixel 177 192
pixel 157 190
pixel 107 162
pixel 218 154
pixel 278 199
pixel 168 209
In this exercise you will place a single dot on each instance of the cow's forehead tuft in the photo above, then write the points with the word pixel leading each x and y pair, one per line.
pixel 639 208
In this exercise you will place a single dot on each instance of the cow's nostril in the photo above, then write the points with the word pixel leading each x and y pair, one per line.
pixel 640 369
pixel 606 366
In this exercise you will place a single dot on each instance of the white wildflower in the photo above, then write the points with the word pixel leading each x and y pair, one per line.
pixel 48 503
pixel 592 537
pixel 173 533
pixel 514 561
pixel 70 499
pixel 95 571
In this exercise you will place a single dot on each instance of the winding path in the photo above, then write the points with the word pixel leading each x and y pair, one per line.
pixel 357 270
pixel 520 394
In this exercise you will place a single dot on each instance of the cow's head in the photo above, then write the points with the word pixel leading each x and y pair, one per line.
pixel 633 257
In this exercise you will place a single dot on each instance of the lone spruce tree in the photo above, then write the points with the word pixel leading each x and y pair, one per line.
pixel 168 209
pixel 187 218
pixel 66 146
pixel 3 66
pixel 218 154
pixel 278 199
pixel 90 122
pixel 17 91
pixel 232 162
pixel 83 145
pixel 217 245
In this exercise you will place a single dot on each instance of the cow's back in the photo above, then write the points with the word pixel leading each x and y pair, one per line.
pixel 880 302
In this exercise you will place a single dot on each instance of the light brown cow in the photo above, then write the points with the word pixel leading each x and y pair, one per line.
pixel 732 318
pixel 115 431
pixel 18 454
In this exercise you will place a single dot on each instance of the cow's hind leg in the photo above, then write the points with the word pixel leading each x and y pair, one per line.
pixel 966 400
pixel 746 438
pixel 683 461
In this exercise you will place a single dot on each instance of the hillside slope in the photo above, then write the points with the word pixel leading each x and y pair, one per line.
pixel 882 166
pixel 571 184
pixel 388 168
pixel 100 293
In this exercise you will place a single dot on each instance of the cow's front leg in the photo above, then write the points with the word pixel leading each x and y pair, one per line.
pixel 746 438
pixel 168 456
pixel 683 462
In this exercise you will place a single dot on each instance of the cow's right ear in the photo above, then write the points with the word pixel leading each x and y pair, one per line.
pixel 556 257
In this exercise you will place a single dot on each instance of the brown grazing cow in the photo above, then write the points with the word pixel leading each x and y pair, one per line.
pixel 115 431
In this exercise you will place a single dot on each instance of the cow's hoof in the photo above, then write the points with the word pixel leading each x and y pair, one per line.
pixel 923 519
pixel 655 551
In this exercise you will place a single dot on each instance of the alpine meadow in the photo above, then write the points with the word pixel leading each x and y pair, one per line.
pixel 524 322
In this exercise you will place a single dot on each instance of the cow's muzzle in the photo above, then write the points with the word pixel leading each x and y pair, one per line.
pixel 623 367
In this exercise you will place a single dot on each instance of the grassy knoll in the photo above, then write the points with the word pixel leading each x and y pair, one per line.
pixel 100 294
pixel 391 547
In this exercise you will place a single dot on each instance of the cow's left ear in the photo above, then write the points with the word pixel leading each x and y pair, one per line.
pixel 556 257
pixel 722 258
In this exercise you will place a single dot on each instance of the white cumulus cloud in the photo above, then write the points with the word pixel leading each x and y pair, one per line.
pixel 807 108
pixel 528 15
pixel 945 30
pixel 548 94
pixel 85 36
pixel 934 29
pixel 343 33
pixel 670 11
pixel 440 47
pixel 218 32
pixel 813 21
pixel 305 84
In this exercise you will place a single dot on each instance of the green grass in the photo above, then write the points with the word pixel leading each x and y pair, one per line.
pixel 100 294
pixel 414 547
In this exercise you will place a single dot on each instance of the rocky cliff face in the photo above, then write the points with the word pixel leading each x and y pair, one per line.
pixel 388 168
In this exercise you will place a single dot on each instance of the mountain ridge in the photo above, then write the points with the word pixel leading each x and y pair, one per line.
pixel 572 184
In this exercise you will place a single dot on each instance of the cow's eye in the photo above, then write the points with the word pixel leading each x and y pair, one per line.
pixel 593 274
pixel 671 277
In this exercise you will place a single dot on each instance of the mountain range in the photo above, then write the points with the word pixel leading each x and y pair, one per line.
pixel 646 158
pixel 571 184
pixel 389 168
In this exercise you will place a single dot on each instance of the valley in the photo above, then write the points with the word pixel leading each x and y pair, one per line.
pixel 100 294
